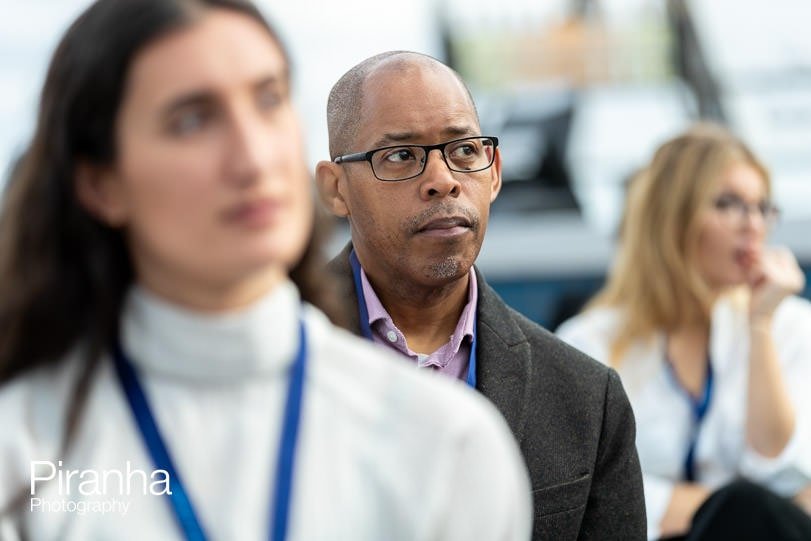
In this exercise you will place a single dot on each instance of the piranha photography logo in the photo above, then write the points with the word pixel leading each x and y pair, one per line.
pixel 91 491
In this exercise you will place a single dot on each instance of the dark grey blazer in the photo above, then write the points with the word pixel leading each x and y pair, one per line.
pixel 569 413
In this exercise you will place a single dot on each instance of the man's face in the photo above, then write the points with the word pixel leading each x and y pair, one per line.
pixel 425 231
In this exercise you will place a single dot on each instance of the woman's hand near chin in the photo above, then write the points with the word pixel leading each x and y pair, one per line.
pixel 774 276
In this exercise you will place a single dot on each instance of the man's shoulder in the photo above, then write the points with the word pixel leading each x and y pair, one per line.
pixel 571 371
pixel 546 349
pixel 574 423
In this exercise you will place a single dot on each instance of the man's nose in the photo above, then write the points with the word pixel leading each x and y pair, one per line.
pixel 437 178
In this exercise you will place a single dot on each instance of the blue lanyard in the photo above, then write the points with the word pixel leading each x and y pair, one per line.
pixel 181 505
pixel 699 407
pixel 366 330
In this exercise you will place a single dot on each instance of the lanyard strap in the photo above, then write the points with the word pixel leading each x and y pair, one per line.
pixel 366 329
pixel 698 406
pixel 471 361
pixel 183 509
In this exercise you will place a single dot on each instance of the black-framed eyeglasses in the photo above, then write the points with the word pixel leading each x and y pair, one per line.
pixel 402 162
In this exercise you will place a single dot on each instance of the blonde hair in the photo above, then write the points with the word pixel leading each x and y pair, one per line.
pixel 654 280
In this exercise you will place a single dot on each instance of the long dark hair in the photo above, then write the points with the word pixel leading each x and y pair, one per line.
pixel 63 273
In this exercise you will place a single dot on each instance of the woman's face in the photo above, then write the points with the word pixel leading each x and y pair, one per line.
pixel 733 226
pixel 210 180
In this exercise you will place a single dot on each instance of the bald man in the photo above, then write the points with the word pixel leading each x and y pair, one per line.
pixel 415 177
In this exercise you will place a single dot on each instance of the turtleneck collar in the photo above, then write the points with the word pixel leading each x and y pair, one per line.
pixel 163 338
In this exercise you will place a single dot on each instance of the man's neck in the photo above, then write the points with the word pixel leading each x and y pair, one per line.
pixel 427 316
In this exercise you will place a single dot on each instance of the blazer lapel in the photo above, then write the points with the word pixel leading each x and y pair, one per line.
pixel 503 354
pixel 504 358
pixel 342 270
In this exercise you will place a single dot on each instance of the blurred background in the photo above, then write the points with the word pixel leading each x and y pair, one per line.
pixel 580 93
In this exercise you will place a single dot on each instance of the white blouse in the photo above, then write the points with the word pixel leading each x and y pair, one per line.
pixel 664 416
pixel 383 452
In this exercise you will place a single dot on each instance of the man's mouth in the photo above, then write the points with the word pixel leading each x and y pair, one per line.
pixel 442 224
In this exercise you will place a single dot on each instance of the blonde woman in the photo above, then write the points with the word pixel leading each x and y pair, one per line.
pixel 700 319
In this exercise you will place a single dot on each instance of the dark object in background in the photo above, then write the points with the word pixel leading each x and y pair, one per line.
pixel 533 127
pixel 691 62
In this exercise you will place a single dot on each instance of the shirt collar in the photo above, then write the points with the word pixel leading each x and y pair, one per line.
pixel 379 318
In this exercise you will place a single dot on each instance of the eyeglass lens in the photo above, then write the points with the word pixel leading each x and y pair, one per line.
pixel 465 155
pixel 731 204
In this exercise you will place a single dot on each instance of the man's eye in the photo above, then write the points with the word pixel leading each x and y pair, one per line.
pixel 464 151
pixel 400 155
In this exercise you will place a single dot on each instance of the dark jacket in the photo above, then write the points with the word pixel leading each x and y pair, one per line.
pixel 569 413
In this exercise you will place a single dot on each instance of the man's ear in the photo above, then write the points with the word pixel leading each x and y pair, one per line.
pixel 101 193
pixel 496 181
pixel 329 178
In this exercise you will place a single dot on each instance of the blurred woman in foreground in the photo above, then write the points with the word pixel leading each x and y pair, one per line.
pixel 700 319
pixel 160 375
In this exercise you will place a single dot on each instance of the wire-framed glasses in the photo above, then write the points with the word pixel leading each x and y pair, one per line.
pixel 734 208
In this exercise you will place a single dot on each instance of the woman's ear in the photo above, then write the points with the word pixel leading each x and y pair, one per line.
pixel 329 179
pixel 101 193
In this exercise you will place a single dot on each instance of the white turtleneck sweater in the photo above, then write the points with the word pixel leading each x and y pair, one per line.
pixel 384 451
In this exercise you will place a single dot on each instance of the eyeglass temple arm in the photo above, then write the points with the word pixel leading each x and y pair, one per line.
pixel 356 157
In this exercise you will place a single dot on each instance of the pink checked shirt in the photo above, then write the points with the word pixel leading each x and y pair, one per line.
pixel 451 358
